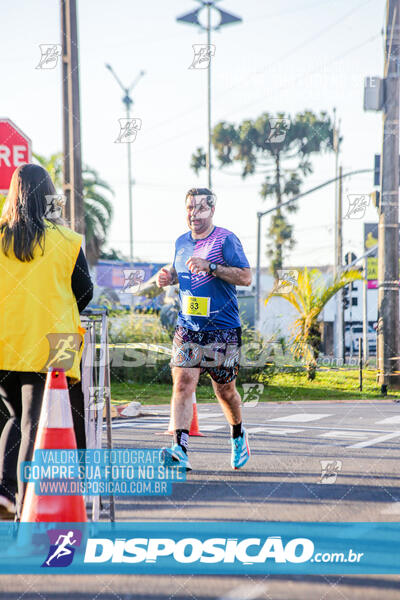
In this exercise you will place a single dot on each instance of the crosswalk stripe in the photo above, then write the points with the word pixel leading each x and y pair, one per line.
pixel 302 417
pixel 343 434
pixel 392 509
pixel 377 440
pixel 389 420
pixel 212 427
pixel 273 431
pixel 209 416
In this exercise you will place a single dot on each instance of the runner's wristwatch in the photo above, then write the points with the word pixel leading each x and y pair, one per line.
pixel 212 269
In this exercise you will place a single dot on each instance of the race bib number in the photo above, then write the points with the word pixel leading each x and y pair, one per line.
pixel 197 306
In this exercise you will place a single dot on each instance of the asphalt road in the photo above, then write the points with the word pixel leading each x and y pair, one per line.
pixel 358 480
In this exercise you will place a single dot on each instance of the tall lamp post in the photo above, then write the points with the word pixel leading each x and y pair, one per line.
pixel 225 18
pixel 127 100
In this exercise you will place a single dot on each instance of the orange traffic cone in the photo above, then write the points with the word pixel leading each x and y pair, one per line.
pixel 194 426
pixel 55 432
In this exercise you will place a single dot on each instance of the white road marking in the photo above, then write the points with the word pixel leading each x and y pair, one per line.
pixel 245 592
pixel 210 416
pixel 392 509
pixel 211 427
pixel 150 425
pixel 378 440
pixel 122 425
pixel 302 417
pixel 272 430
pixel 389 420
pixel 343 434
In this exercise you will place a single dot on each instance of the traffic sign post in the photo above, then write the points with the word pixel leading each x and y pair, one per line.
pixel 15 150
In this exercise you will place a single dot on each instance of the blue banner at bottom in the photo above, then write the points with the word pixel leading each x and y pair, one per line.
pixel 210 548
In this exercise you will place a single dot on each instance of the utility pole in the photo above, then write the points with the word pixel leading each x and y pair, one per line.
pixel 72 186
pixel 192 18
pixel 127 100
pixel 388 229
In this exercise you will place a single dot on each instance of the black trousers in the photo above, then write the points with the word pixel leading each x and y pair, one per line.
pixel 21 394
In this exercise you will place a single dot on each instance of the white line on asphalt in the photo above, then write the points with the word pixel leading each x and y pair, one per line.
pixel 272 430
pixel 245 592
pixel 151 425
pixel 209 416
pixel 302 417
pixel 343 434
pixel 211 427
pixel 389 420
pixel 392 509
pixel 377 440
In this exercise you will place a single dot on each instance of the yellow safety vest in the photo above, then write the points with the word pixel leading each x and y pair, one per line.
pixel 36 300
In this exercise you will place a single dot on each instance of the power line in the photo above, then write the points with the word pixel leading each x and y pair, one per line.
pixel 302 44
pixel 285 86
pixel 285 12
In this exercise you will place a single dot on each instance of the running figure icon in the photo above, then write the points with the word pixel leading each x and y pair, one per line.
pixel 62 550
pixel 64 348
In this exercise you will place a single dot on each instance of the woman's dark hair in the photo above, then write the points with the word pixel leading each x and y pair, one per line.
pixel 22 222
pixel 211 199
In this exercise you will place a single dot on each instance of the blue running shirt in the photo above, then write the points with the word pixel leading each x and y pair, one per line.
pixel 207 302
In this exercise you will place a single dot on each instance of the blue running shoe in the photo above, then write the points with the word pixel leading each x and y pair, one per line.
pixel 175 456
pixel 240 451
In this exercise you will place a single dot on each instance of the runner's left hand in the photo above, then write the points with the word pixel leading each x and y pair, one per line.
pixel 196 264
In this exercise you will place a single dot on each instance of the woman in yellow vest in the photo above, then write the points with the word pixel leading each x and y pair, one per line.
pixel 44 284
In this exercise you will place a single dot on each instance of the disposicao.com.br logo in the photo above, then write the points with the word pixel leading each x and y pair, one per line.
pixel 200 548
pixel 191 550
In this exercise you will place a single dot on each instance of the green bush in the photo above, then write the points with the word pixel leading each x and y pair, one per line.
pixel 147 329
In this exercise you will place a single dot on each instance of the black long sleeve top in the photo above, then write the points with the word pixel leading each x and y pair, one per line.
pixel 81 282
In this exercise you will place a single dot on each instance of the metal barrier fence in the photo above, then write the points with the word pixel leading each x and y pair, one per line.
pixel 97 391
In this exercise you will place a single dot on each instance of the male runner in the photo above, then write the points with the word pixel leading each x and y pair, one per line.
pixel 209 262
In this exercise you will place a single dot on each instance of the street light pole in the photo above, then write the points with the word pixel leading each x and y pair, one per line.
pixel 192 18
pixel 339 259
pixel 130 184
pixel 365 309
pixel 127 100
pixel 338 337
pixel 260 215
pixel 209 162
pixel 257 307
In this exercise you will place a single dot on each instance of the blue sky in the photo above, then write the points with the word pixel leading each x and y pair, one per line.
pixel 287 55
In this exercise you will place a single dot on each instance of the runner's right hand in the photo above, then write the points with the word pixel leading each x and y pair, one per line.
pixel 164 277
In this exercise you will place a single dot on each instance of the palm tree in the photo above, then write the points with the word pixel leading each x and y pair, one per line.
pixel 309 296
pixel 97 208
pixel 98 213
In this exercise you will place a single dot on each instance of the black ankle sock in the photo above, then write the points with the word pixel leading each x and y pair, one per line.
pixel 236 430
pixel 181 437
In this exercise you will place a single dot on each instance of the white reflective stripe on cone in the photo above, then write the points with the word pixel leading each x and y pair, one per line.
pixel 56 410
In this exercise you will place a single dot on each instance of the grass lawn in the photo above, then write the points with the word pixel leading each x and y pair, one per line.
pixel 328 385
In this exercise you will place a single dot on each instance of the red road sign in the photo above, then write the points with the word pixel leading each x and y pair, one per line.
pixel 15 149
